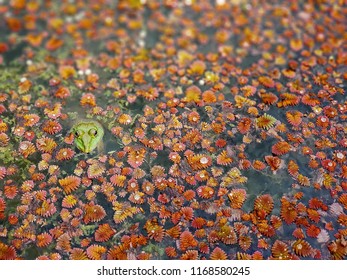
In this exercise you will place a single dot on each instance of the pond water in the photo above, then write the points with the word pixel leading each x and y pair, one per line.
pixel 225 129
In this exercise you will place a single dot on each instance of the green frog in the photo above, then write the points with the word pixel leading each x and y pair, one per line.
pixel 88 135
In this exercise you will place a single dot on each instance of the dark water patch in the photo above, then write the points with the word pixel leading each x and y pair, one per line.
pixel 111 145
pixel 13 53
pixel 31 252
pixel 162 159
pixel 258 150
pixel 302 161
pixel 260 183
pixel 105 204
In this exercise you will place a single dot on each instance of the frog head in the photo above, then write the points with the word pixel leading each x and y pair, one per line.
pixel 88 135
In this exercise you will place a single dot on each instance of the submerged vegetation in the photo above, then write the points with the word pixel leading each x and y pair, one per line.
pixel 224 129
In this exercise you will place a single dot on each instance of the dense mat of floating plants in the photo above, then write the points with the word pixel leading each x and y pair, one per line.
pixel 225 129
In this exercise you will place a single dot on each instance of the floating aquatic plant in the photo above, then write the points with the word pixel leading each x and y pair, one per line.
pixel 192 120
pixel 265 121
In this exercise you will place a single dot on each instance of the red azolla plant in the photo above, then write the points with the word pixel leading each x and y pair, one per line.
pixel 70 183
pixel 191 129
pixel 263 205
pixel 7 252
pixel 288 211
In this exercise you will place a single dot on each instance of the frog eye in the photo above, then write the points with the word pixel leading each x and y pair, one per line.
pixel 93 132
pixel 77 133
